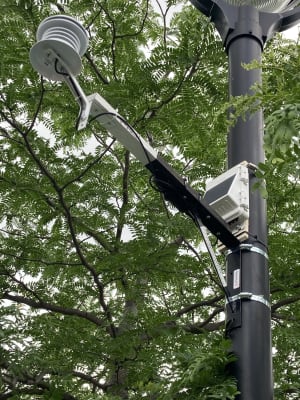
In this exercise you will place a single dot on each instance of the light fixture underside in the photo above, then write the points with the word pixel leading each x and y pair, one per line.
pixel 263 5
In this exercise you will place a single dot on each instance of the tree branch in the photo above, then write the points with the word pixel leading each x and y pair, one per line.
pixel 39 385
pixel 55 308
pixel 282 317
pixel 164 17
pixel 41 261
pixel 70 222
pixel 285 302
pixel 38 108
pixel 113 42
pixel 90 379
pixel 89 166
pixel 129 35
pixel 96 69
pixel 125 199
pixel 206 325
pixel 22 285
pixel 278 289
pixel 198 329
pixel 42 167
pixel 194 306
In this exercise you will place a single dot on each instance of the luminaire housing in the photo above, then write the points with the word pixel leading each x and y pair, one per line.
pixel 263 5
pixel 259 19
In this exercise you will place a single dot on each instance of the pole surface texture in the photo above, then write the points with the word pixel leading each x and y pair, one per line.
pixel 249 317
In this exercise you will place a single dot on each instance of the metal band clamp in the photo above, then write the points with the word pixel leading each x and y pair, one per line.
pixel 249 296
pixel 249 247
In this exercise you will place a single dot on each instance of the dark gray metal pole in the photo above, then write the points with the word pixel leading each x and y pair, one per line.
pixel 248 316
pixel 247 268
pixel 244 30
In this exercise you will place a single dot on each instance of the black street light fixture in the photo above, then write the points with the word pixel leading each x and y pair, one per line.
pixel 245 26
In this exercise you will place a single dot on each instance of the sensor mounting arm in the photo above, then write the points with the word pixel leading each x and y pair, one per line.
pixel 187 200
pixel 61 42
pixel 168 182
pixel 111 120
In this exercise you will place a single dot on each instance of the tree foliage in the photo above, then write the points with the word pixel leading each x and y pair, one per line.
pixel 106 291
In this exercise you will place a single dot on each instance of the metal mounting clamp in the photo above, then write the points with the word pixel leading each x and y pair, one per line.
pixel 248 247
pixel 251 297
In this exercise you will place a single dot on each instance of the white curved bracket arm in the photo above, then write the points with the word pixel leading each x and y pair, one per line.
pixel 169 183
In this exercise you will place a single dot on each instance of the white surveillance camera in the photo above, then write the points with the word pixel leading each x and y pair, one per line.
pixel 61 42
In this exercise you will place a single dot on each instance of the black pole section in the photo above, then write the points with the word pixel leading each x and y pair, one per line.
pixel 245 140
pixel 247 268
pixel 248 316
pixel 244 30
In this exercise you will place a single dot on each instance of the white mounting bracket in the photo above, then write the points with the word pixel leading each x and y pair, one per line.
pixel 98 108
pixel 174 188
pixel 111 120
pixel 62 41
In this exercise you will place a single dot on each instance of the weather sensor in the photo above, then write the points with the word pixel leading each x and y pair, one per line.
pixel 62 36
pixel 228 195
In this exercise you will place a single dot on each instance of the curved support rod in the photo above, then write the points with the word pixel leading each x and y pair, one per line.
pixel 80 97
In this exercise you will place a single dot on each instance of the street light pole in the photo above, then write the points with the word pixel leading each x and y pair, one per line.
pixel 247 268
pixel 244 27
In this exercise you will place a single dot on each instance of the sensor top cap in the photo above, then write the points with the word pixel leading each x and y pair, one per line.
pixel 61 36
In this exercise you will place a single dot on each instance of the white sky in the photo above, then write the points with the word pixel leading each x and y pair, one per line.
pixel 292 33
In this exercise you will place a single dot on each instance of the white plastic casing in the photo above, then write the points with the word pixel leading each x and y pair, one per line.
pixel 61 35
pixel 228 195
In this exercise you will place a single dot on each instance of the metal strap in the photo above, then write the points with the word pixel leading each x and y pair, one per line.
pixel 249 247
pixel 251 297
